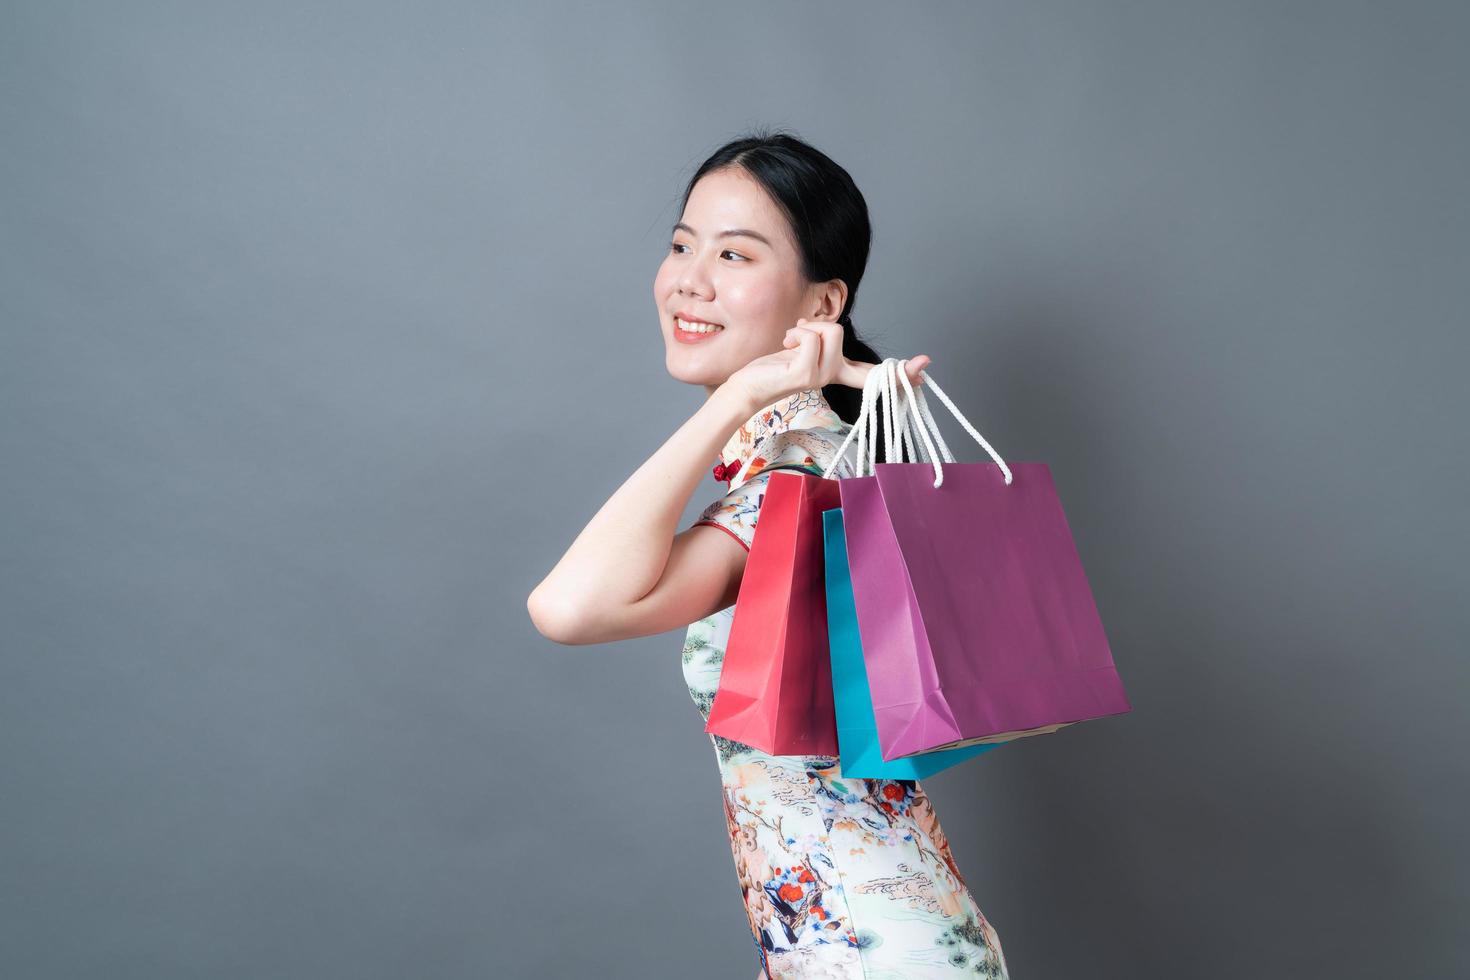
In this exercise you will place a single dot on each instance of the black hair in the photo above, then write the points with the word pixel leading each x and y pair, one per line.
pixel 829 220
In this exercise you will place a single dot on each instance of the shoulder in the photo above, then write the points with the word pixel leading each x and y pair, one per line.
pixel 810 448
pixel 803 449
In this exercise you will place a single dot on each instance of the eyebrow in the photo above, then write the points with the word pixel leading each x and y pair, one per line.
pixel 729 233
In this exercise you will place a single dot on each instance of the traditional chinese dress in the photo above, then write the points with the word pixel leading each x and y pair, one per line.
pixel 843 879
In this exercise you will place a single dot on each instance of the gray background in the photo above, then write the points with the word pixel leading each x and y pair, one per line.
pixel 325 330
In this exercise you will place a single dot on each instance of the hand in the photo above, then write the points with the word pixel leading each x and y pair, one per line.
pixel 811 358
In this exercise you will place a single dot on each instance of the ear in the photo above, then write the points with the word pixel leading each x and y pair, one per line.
pixel 828 298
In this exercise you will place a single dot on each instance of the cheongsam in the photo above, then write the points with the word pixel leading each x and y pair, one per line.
pixel 842 878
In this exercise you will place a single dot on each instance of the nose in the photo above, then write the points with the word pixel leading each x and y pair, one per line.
pixel 693 281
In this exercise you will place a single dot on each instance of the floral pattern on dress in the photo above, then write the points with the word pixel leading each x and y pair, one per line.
pixel 794 449
pixel 842 878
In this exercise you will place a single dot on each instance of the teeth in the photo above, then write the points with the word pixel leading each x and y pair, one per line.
pixel 692 327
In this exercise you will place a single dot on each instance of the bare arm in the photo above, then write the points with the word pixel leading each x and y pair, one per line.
pixel 628 573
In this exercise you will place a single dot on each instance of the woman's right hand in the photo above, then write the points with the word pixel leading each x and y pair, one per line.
pixel 812 358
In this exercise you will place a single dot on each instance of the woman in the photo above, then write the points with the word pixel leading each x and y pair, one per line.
pixel 841 877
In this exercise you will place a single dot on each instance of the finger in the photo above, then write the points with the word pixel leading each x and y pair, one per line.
pixel 854 374
pixel 794 335
pixel 830 364
pixel 808 350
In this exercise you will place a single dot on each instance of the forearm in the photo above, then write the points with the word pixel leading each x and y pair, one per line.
pixel 620 555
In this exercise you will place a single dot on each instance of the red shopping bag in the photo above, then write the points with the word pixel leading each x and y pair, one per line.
pixel 775 689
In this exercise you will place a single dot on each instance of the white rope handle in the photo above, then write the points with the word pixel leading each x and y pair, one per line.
pixel 891 454
pixel 905 414
pixel 923 425
pixel 898 446
pixel 919 445
pixel 879 384
pixel 859 429
pixel 909 438
pixel 931 424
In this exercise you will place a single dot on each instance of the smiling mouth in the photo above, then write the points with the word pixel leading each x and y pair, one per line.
pixel 696 326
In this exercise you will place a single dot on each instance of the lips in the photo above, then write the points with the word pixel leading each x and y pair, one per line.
pixel 698 335
pixel 691 318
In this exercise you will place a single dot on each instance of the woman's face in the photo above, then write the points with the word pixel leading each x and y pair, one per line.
pixel 732 262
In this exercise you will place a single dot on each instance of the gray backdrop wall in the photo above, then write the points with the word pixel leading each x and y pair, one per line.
pixel 327 327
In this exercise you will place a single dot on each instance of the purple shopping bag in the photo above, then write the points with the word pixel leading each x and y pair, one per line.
pixel 976 617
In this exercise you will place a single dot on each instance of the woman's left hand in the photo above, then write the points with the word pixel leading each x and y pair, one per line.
pixel 833 367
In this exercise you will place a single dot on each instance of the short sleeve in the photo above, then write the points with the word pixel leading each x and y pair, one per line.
pixel 736 512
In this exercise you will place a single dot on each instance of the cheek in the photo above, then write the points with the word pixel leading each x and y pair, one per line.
pixel 663 281
pixel 754 301
pixel 760 308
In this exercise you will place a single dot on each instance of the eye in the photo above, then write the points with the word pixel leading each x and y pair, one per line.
pixel 675 246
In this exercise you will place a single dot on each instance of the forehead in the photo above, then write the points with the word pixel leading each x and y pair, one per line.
pixel 730 199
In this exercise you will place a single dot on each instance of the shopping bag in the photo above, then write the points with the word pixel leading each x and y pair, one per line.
pixel 857 734
pixel 775 688
pixel 976 618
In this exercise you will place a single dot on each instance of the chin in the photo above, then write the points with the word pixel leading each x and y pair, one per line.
pixel 694 371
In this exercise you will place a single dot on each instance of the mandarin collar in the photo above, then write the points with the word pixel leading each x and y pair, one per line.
pixel 807 408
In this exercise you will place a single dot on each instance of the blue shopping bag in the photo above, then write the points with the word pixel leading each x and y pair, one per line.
pixel 857 728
